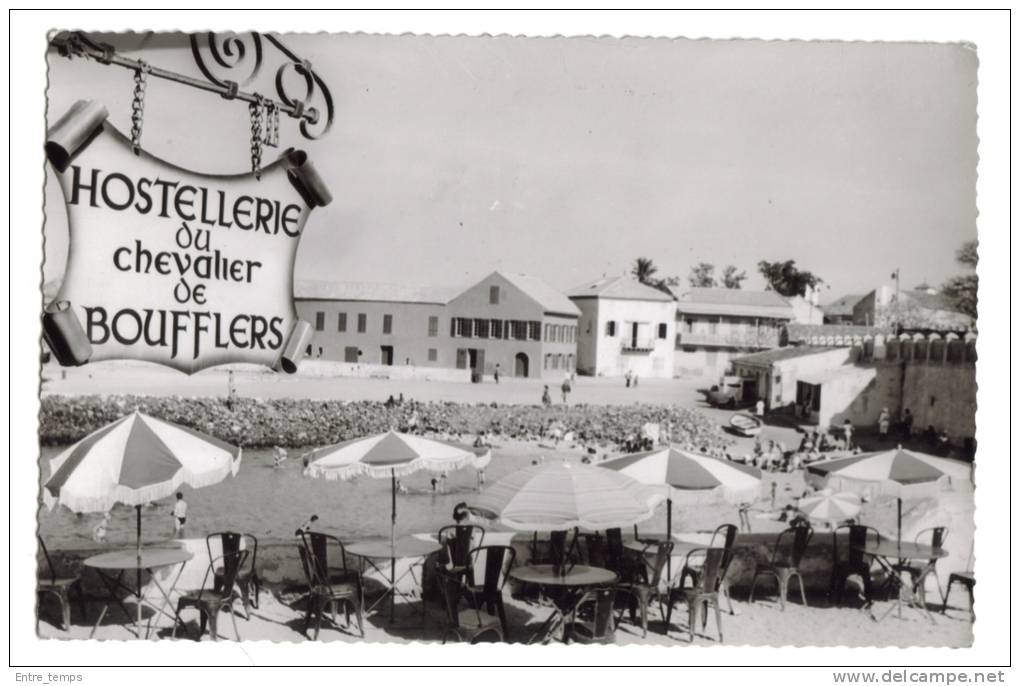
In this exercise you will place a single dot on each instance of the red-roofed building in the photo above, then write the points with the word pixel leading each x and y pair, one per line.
pixel 515 321
pixel 714 325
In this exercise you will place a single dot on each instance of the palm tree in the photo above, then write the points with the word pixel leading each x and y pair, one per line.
pixel 644 270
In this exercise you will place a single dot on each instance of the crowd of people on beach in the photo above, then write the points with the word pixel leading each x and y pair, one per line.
pixel 288 423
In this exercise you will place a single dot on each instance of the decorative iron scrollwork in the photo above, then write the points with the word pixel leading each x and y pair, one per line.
pixel 229 52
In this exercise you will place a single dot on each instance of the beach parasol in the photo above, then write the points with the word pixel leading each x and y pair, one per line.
pixel 389 454
pixel 830 506
pixel 685 476
pixel 558 496
pixel 903 474
pixel 133 461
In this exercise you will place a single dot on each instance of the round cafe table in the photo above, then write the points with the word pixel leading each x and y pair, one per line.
pixel 892 556
pixel 571 585
pixel 137 560
pixel 406 548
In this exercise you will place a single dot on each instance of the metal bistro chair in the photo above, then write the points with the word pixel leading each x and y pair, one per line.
pixel 247 579
pixel 592 549
pixel 644 591
pixel 458 540
pixel 329 586
pixel 591 620
pixel 467 624
pixel 499 560
pixel 210 603
pixel 702 596
pixel 724 536
pixel 856 562
pixel 60 587
pixel 918 571
pixel 629 565
pixel 784 564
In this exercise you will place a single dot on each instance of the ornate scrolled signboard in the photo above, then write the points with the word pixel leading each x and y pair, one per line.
pixel 172 266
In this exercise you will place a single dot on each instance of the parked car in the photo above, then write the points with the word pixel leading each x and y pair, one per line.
pixel 729 393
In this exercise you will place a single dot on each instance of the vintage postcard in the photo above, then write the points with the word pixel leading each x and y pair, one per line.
pixel 376 338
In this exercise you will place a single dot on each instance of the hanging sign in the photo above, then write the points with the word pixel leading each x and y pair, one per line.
pixel 172 266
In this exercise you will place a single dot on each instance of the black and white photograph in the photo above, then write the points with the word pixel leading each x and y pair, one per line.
pixel 418 339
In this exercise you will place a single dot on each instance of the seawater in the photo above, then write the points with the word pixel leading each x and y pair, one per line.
pixel 272 502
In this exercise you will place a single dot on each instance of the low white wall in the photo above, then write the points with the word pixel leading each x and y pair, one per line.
pixel 327 368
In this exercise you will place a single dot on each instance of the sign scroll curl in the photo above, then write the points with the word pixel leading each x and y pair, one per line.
pixel 172 266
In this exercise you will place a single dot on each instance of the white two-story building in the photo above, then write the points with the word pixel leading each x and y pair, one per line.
pixel 624 326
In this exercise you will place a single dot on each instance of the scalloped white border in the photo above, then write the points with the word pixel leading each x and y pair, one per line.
pixel 989 32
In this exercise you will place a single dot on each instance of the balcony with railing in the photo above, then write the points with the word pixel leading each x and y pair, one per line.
pixel 637 345
pixel 731 337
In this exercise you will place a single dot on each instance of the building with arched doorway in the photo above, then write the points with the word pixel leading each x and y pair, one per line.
pixel 511 323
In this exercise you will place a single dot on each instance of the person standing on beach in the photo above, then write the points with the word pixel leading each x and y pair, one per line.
pixel 883 423
pixel 759 409
pixel 627 376
pixel 908 423
pixel 495 373
pixel 848 433
pixel 546 398
pixel 99 532
pixel 180 515
pixel 565 387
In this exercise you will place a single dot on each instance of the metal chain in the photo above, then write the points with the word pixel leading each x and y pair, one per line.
pixel 272 133
pixel 138 106
pixel 255 111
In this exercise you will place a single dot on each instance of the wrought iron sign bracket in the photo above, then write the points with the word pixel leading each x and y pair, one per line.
pixel 227 53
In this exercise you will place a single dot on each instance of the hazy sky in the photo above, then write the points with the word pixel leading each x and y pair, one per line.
pixel 568 158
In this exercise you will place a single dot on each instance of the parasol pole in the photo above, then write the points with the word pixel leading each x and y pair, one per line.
pixel 393 538
pixel 669 538
pixel 899 537
pixel 138 566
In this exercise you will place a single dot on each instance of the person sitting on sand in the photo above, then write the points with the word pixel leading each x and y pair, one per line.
pixel 279 458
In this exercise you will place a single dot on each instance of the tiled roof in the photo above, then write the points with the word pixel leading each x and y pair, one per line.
pixel 372 292
pixel 734 302
pixel 790 352
pixel 545 295
pixel 620 288
pixel 842 306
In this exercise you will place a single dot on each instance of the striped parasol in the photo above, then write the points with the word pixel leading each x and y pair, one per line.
pixel 903 474
pixel 558 496
pixel 685 476
pixel 389 455
pixel 898 472
pixel 134 461
pixel 830 506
